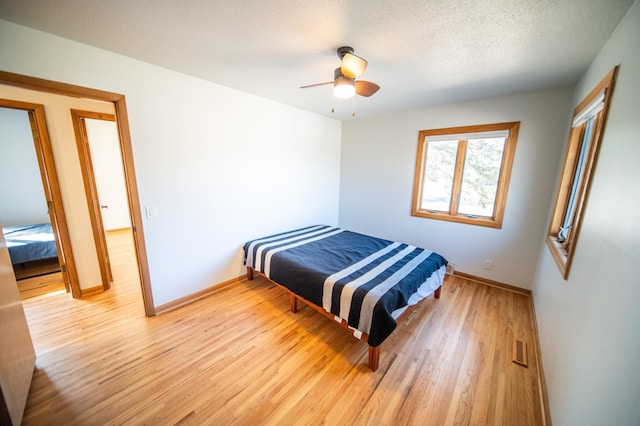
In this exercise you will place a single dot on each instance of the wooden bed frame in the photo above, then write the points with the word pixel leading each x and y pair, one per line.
pixel 34 268
pixel 374 351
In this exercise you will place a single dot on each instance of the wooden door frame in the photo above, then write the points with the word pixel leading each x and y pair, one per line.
pixel 91 188
pixel 122 121
pixel 51 188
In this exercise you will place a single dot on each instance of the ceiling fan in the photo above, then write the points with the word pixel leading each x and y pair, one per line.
pixel 345 85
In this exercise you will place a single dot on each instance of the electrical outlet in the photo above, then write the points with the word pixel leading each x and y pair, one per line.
pixel 488 264
pixel 451 267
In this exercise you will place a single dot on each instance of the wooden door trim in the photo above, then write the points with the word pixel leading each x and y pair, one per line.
pixel 91 189
pixel 122 120
pixel 51 187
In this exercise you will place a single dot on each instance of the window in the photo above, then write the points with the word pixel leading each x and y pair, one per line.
pixel 462 173
pixel 578 166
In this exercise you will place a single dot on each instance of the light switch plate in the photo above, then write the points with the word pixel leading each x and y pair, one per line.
pixel 151 212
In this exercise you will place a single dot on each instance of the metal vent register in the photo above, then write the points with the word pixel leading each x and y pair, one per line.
pixel 520 353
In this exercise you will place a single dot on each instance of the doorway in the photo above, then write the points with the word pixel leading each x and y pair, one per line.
pixel 103 176
pixel 23 208
pixel 119 104
pixel 35 223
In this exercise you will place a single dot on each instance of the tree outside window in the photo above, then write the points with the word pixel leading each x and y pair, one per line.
pixel 462 173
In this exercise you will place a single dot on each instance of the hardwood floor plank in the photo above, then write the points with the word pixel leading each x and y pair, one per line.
pixel 240 356
pixel 41 284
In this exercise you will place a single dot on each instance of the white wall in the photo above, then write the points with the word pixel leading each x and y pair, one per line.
pixel 22 200
pixel 65 153
pixel 378 164
pixel 589 324
pixel 108 171
pixel 220 166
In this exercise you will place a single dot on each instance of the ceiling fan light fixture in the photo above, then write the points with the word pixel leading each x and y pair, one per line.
pixel 345 85
pixel 344 88
pixel 352 65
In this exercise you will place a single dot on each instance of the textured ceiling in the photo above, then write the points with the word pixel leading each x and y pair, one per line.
pixel 421 53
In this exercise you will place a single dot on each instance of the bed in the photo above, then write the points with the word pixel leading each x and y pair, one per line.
pixel 32 249
pixel 365 284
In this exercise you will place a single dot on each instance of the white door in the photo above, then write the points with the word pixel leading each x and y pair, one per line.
pixel 17 356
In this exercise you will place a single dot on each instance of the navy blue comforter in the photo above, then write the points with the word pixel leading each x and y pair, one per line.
pixel 359 278
pixel 30 242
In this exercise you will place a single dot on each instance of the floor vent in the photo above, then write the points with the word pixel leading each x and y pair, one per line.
pixel 520 353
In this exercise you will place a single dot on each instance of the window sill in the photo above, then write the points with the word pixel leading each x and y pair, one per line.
pixel 479 221
pixel 559 254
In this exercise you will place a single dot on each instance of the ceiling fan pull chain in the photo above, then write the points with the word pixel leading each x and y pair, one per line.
pixel 353 107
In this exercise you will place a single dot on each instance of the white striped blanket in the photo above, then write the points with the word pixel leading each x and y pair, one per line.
pixel 365 280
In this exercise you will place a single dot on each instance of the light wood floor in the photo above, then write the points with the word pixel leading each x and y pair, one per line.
pixel 241 357
pixel 42 284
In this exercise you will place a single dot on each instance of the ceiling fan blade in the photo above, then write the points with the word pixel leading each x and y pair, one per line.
pixel 316 85
pixel 366 88
pixel 352 65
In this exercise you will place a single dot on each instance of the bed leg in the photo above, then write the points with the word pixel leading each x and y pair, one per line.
pixel 436 294
pixel 374 356
pixel 249 273
pixel 294 303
